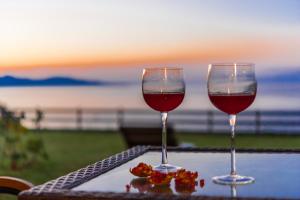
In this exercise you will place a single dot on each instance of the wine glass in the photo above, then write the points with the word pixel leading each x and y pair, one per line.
pixel 232 89
pixel 163 90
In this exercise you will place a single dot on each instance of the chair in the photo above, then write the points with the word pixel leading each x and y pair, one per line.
pixel 11 185
pixel 151 135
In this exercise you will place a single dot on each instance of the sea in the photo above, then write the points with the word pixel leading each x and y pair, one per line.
pixel 270 97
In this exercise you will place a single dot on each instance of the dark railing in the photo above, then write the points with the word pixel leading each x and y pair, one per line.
pixel 279 121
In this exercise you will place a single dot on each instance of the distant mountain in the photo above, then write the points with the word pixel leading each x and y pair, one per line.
pixel 10 81
pixel 283 77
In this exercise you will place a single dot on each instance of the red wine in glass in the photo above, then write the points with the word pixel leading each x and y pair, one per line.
pixel 163 102
pixel 232 89
pixel 232 104
pixel 163 90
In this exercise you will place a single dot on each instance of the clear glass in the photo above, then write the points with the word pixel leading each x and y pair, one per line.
pixel 163 91
pixel 232 89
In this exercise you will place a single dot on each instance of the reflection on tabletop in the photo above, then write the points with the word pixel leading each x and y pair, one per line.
pixel 142 185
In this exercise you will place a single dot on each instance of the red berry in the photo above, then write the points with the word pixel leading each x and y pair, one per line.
pixel 202 183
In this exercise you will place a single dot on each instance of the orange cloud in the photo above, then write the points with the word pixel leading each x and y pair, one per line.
pixel 194 52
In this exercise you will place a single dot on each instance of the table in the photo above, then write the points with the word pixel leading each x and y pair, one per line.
pixel 277 174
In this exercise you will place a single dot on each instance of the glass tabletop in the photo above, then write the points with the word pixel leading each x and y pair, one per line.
pixel 277 175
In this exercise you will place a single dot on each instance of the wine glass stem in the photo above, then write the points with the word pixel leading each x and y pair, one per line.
pixel 164 157
pixel 233 191
pixel 232 120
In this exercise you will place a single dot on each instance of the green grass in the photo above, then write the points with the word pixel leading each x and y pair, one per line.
pixel 243 140
pixel 69 151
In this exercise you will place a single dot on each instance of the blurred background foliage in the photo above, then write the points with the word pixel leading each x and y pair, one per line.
pixel 19 149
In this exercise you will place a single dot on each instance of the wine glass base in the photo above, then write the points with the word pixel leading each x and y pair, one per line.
pixel 233 180
pixel 166 168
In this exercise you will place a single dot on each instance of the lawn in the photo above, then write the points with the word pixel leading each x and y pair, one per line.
pixel 70 151
pixel 243 140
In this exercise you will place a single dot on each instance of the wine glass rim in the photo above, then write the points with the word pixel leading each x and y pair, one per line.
pixel 245 64
pixel 163 68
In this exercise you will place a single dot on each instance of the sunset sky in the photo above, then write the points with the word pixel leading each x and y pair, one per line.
pixel 81 37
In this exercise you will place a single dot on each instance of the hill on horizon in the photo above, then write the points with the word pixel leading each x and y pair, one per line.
pixel 10 81
pixel 289 77
pixel 282 77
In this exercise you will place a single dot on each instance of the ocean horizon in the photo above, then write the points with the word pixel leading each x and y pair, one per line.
pixel 272 96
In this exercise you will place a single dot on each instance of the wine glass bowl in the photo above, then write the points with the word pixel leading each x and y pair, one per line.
pixel 232 89
pixel 163 90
